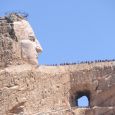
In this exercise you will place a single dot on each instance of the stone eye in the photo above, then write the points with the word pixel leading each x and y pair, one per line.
pixel 32 39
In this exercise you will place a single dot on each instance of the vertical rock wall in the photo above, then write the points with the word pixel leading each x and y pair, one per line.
pixel 52 90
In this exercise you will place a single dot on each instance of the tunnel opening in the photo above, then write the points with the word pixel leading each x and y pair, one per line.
pixel 82 99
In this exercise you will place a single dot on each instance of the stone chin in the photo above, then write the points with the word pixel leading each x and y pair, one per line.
pixel 29 51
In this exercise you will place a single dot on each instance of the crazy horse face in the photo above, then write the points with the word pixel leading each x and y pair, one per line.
pixel 18 43
pixel 30 47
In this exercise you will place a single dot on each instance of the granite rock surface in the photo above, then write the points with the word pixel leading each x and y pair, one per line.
pixel 29 89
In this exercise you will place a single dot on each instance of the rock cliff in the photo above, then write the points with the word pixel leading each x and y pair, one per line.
pixel 26 89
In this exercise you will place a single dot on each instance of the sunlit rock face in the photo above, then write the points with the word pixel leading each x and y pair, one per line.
pixel 48 90
pixel 18 43
pixel 30 47
pixel 53 90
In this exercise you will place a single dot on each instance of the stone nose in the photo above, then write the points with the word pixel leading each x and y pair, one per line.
pixel 38 46
pixel 38 49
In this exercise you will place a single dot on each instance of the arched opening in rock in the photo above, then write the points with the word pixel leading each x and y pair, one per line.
pixel 82 99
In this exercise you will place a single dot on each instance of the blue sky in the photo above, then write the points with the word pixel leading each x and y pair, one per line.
pixel 70 30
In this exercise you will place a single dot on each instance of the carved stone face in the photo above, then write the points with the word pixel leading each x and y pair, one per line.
pixel 18 44
pixel 30 47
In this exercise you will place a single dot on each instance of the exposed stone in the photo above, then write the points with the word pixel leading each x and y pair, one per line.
pixel 49 90
pixel 18 44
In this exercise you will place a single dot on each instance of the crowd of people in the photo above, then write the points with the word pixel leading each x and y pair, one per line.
pixel 82 62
